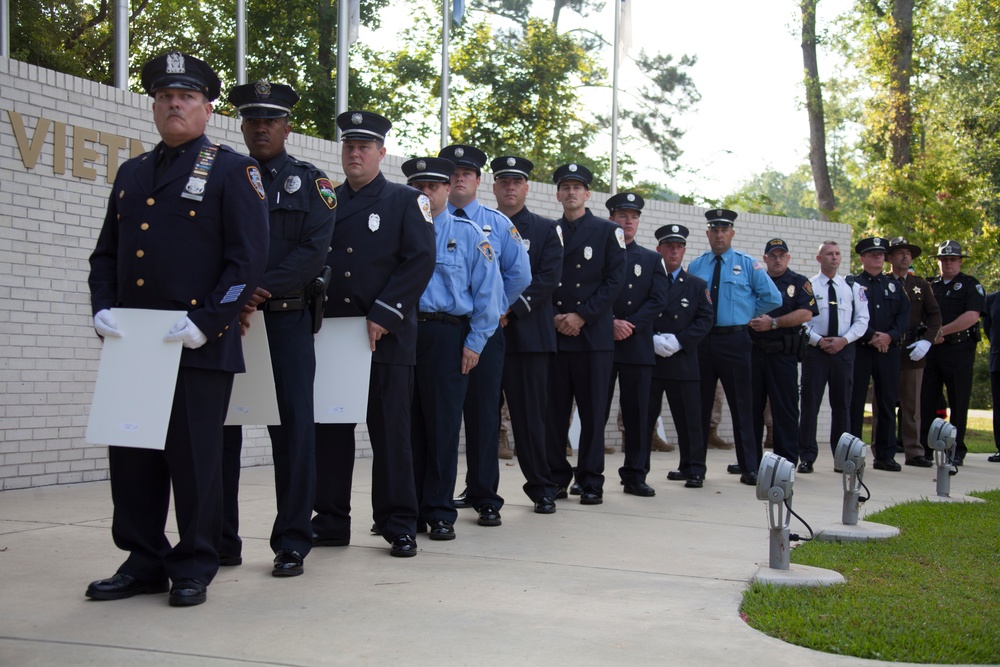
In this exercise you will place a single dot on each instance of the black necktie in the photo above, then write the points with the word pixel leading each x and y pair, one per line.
pixel 670 281
pixel 831 295
pixel 460 213
pixel 167 157
pixel 716 275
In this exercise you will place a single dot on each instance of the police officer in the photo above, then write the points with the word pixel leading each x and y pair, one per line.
pixel 302 202
pixel 679 329
pixel 777 340
pixel 530 339
pixel 829 359
pixel 925 321
pixel 482 401
pixel 186 229
pixel 878 350
pixel 638 304
pixel 459 311
pixel 949 363
pixel 382 255
pixel 593 274
pixel 740 290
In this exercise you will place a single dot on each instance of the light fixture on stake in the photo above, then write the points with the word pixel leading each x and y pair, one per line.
pixel 942 439
pixel 850 459
pixel 775 478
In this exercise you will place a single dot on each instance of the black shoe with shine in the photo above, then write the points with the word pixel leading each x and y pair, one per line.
pixel 591 496
pixel 545 505
pixel 749 478
pixel 676 476
pixel 920 462
pixel 694 482
pixel 575 490
pixel 890 465
pixel 734 469
pixel 994 458
pixel 459 501
pixel 441 530
pixel 188 593
pixel 123 586
pixel 288 563
pixel 639 489
pixel 333 541
pixel 806 467
pixel 489 515
pixel 404 546
pixel 561 493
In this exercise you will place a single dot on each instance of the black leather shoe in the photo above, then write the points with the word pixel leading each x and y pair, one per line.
pixel 545 505
pixel 957 461
pixel 489 515
pixel 376 530
pixel 459 502
pixel 639 489
pixel 590 496
pixel 676 476
pixel 694 482
pixel 806 467
pixel 575 490
pixel 287 563
pixel 187 593
pixel 333 542
pixel 229 560
pixel 891 466
pixel 920 462
pixel 403 546
pixel 441 530
pixel 749 478
pixel 734 469
pixel 995 458
pixel 123 586
pixel 561 493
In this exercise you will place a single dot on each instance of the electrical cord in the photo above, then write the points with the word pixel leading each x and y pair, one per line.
pixel 798 538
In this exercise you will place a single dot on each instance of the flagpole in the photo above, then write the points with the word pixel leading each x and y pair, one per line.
pixel 444 74
pixel 241 42
pixel 614 101
pixel 343 66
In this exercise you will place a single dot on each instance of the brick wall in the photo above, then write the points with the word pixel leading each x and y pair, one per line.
pixel 61 141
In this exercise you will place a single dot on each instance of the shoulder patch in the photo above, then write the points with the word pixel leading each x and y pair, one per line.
pixel 559 234
pixel 325 188
pixel 708 295
pixel 425 208
pixel 487 250
pixel 757 266
pixel 253 174
pixel 620 235
pixel 808 287
pixel 515 234
pixel 979 288
pixel 862 293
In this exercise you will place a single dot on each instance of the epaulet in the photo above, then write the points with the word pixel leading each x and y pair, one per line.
pixel 302 163
pixel 849 279
pixel 224 147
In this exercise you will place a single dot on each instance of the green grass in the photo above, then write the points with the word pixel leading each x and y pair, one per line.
pixel 978 434
pixel 929 595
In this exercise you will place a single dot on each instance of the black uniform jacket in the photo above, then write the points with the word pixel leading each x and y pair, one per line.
pixel 530 321
pixel 383 255
pixel 161 251
pixel 641 301
pixel 593 275
pixel 689 316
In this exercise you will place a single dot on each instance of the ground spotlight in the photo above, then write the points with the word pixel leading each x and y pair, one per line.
pixel 850 459
pixel 942 439
pixel 775 478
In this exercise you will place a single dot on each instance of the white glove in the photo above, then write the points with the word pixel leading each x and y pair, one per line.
pixel 106 324
pixel 673 345
pixel 186 331
pixel 660 345
pixel 919 349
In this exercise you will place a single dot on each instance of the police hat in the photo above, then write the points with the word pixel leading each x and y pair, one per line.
pixel 720 217
pixel 872 244
pixel 465 156
pixel 672 233
pixel 950 249
pixel 625 200
pixel 775 244
pixel 362 126
pixel 900 243
pixel 432 169
pixel 510 166
pixel 576 172
pixel 263 99
pixel 179 70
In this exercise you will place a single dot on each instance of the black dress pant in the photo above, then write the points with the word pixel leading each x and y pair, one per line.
pixel 949 368
pixel 776 379
pixel 819 371
pixel 883 369
pixel 633 401
pixel 725 358
pixel 526 386
pixel 482 425
pixel 684 400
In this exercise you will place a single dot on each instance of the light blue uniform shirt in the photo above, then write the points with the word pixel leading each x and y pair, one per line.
pixel 745 290
pixel 466 280
pixel 515 267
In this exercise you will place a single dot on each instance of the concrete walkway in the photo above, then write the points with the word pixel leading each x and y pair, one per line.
pixel 633 581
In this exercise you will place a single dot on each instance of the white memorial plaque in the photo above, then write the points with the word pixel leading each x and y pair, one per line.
pixel 343 370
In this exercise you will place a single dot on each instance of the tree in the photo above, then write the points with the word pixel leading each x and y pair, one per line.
pixel 814 107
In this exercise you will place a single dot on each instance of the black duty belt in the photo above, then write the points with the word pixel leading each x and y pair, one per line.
pixel 771 345
pixel 726 330
pixel 280 305
pixel 440 317
pixel 956 338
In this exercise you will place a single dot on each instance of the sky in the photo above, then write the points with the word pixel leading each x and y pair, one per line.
pixel 749 75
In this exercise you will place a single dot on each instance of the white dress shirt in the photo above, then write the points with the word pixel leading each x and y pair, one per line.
pixel 852 310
